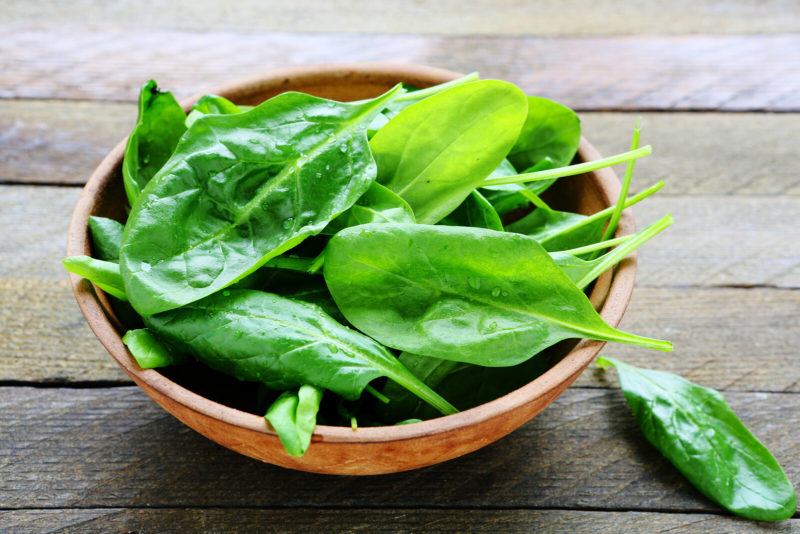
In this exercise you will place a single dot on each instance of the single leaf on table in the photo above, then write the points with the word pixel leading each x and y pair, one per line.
pixel 211 105
pixel 434 153
pixel 282 343
pixel 293 416
pixel 106 237
pixel 241 189
pixel 148 351
pixel 475 211
pixel 159 127
pixel 467 294
pixel 103 274
pixel 693 427
pixel 378 205
pixel 562 230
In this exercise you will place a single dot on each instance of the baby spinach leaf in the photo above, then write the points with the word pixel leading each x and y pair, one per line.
pixel 211 105
pixel 149 352
pixel 378 205
pixel 466 294
pixel 551 131
pixel 693 427
pixel 103 274
pixel 106 236
pixel 241 189
pixel 153 139
pixel 434 153
pixel 562 230
pixel 282 343
pixel 293 415
pixel 475 211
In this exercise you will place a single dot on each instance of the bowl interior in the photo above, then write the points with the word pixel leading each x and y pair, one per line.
pixel 228 398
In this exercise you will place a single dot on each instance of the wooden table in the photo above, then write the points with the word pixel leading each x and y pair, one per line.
pixel 718 85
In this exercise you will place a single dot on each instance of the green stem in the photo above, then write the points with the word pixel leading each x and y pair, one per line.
pixel 638 341
pixel 316 265
pixel 570 170
pixel 617 254
pixel 635 199
pixel 600 245
pixel 535 199
pixel 377 394
pixel 611 227
pixel 408 380
pixel 291 263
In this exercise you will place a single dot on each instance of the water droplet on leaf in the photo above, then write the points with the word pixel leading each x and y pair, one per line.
pixel 145 266
pixel 496 292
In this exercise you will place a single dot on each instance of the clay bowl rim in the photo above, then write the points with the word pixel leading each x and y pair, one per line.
pixel 615 293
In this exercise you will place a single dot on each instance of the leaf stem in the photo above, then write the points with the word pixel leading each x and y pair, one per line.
pixel 611 227
pixel 377 394
pixel 617 254
pixel 570 170
pixel 600 245
pixel 535 199
pixel 430 91
pixel 408 380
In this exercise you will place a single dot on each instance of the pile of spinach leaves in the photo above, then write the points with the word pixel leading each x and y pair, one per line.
pixel 398 246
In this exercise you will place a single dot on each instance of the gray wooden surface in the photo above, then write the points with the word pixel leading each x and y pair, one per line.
pixel 718 86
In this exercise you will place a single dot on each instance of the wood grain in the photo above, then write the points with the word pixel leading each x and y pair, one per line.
pixel 70 138
pixel 353 520
pixel 730 338
pixel 476 17
pixel 632 72
pixel 114 448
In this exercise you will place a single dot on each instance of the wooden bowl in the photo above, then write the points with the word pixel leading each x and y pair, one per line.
pixel 340 450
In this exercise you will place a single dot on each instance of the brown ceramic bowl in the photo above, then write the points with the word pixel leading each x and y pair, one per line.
pixel 340 450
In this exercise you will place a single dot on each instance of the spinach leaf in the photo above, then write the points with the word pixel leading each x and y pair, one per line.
pixel 434 153
pixel 149 352
pixel 693 427
pixel 562 230
pixel 211 105
pixel 475 211
pixel 159 127
pixel 551 131
pixel 106 237
pixel 379 204
pixel 293 415
pixel 466 294
pixel 282 343
pixel 103 274
pixel 241 189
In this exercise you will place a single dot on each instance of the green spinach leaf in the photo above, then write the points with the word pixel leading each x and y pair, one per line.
pixel 282 343
pixel 475 211
pixel 103 274
pixel 106 237
pixel 693 427
pixel 434 153
pixel 159 127
pixel 149 351
pixel 241 189
pixel 467 294
pixel 378 205
pixel 293 415
pixel 211 105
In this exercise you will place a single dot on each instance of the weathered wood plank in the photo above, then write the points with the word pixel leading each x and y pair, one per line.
pixel 698 153
pixel 68 520
pixel 114 448
pixel 43 336
pixel 476 17
pixel 649 72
